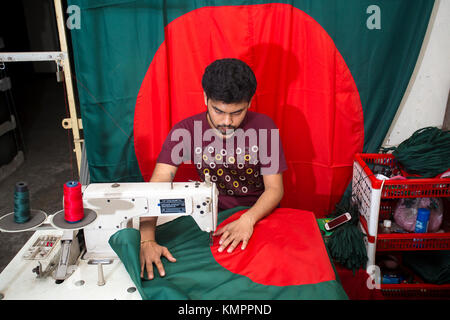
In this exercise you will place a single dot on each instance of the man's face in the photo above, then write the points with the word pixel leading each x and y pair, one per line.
pixel 226 116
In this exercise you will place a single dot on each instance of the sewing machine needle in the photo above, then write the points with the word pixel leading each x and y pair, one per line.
pixel 211 241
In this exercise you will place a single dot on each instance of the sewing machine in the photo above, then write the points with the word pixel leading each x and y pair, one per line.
pixel 109 207
pixel 119 204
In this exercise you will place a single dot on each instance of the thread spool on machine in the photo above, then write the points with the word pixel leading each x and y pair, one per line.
pixel 24 218
pixel 72 217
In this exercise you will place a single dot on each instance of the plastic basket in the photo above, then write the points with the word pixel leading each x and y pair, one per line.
pixel 410 188
pixel 416 288
pixel 409 241
pixel 373 197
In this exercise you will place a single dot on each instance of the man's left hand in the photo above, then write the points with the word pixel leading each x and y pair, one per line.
pixel 235 232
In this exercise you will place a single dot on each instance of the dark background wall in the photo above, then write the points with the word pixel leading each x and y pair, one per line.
pixel 39 103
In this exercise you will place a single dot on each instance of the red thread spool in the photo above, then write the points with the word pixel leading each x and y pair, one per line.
pixel 73 202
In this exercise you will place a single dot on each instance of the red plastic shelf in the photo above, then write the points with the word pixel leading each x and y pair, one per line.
pixel 409 188
pixel 413 187
pixel 415 290
pixel 413 241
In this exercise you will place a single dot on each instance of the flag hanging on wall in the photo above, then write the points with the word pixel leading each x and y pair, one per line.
pixel 331 74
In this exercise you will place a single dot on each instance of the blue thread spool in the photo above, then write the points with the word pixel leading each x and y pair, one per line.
pixel 423 216
pixel 21 203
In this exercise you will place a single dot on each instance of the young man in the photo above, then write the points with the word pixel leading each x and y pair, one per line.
pixel 245 158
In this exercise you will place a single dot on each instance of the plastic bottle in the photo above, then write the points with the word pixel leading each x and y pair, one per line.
pixel 386 227
pixel 423 216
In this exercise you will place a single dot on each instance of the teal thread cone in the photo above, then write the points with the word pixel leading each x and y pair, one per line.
pixel 21 203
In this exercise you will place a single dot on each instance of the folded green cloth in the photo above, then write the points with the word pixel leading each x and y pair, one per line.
pixel 431 266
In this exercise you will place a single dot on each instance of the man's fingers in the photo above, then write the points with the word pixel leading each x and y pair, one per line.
pixel 218 232
pixel 148 258
pixel 224 237
pixel 224 243
pixel 160 268
pixel 244 244
pixel 166 253
pixel 142 269
pixel 149 267
pixel 233 245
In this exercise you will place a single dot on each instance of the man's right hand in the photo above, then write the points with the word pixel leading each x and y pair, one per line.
pixel 151 253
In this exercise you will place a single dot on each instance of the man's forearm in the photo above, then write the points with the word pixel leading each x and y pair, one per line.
pixel 268 201
pixel 147 226
pixel 161 173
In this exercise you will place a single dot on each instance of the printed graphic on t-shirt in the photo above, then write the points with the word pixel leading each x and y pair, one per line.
pixel 237 173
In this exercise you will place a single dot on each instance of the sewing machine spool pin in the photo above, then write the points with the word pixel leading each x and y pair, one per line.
pixel 100 262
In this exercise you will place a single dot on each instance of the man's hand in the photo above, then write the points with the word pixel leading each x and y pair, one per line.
pixel 235 232
pixel 241 229
pixel 150 254
pixel 151 251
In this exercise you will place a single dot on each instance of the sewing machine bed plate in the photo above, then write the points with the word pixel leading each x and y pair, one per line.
pixel 18 282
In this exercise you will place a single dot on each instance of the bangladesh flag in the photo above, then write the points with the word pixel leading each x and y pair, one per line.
pixel 331 74
pixel 285 259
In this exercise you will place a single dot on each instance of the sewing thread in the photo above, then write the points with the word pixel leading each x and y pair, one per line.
pixel 73 202
pixel 21 203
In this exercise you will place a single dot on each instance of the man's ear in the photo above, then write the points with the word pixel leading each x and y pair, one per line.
pixel 206 98
pixel 250 103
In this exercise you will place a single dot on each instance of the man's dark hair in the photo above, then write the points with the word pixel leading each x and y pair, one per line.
pixel 229 80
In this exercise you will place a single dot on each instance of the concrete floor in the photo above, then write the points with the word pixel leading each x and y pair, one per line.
pixel 48 152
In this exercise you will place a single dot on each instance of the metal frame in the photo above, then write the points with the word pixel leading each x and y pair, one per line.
pixel 62 60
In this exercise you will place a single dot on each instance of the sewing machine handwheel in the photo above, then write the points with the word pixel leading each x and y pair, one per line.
pixel 7 223
pixel 58 220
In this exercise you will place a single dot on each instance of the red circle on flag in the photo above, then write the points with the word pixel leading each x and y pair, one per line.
pixel 286 248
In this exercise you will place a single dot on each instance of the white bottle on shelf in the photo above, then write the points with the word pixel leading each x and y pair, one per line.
pixel 386 226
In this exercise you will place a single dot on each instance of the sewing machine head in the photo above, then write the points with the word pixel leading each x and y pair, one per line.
pixel 120 205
